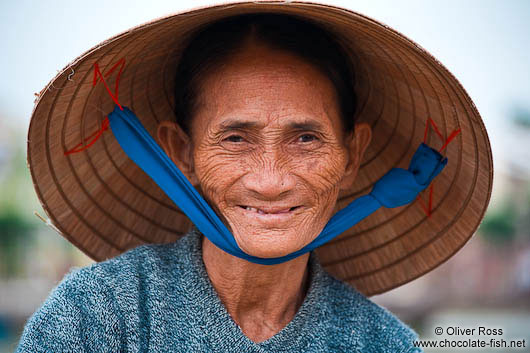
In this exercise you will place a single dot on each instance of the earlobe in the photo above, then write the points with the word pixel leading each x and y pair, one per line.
pixel 178 146
pixel 356 145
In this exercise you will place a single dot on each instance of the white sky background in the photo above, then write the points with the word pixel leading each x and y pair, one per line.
pixel 485 44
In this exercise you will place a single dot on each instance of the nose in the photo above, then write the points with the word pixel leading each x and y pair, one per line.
pixel 270 179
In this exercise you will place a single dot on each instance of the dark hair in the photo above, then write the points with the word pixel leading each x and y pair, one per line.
pixel 214 43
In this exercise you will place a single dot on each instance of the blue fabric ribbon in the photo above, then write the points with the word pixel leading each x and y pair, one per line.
pixel 396 188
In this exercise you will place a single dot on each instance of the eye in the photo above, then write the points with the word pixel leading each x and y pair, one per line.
pixel 236 143
pixel 307 138
pixel 234 138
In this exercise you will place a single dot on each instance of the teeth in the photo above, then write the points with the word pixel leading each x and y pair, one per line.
pixel 248 208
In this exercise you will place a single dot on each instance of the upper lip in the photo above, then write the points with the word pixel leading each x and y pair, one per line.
pixel 269 209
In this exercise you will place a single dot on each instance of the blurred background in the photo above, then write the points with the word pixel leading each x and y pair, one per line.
pixel 485 44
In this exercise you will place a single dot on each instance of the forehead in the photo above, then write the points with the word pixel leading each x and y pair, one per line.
pixel 266 87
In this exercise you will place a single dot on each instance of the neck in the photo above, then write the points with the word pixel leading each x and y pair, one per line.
pixel 261 299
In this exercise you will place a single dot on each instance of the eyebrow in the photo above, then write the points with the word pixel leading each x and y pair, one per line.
pixel 235 124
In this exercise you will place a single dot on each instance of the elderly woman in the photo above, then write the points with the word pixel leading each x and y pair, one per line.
pixel 266 131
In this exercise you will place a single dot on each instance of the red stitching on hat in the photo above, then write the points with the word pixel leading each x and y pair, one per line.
pixel 105 123
pixel 96 72
pixel 429 208
pixel 104 126
pixel 431 122
pixel 452 135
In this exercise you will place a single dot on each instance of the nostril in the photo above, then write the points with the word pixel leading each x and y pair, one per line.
pixel 269 183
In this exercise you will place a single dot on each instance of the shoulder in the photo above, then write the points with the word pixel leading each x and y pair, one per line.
pixel 98 278
pixel 365 324
pixel 95 301
pixel 148 262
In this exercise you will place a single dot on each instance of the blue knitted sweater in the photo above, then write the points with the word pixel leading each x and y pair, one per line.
pixel 158 298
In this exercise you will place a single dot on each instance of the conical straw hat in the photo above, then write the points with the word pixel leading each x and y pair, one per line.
pixel 105 204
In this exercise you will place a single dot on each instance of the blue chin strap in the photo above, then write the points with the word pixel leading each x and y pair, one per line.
pixel 396 188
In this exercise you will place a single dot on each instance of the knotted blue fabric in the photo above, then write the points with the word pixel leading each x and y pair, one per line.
pixel 396 188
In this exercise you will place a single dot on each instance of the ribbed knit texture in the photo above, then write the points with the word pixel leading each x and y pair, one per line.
pixel 159 298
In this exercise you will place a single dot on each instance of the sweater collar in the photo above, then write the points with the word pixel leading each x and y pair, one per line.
pixel 222 331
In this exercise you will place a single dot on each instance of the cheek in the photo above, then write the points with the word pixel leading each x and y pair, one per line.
pixel 324 171
pixel 216 172
pixel 322 176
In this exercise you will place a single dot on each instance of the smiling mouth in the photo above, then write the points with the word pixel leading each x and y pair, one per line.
pixel 258 211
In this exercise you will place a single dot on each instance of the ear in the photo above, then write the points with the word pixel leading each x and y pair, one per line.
pixel 356 144
pixel 179 147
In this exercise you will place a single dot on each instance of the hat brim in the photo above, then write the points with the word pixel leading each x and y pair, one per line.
pixel 105 204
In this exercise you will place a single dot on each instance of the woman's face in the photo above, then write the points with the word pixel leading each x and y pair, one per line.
pixel 267 150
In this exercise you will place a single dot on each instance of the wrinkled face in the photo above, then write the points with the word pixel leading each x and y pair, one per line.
pixel 268 150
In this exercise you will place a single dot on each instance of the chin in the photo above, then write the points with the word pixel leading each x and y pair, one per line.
pixel 273 235
pixel 269 243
